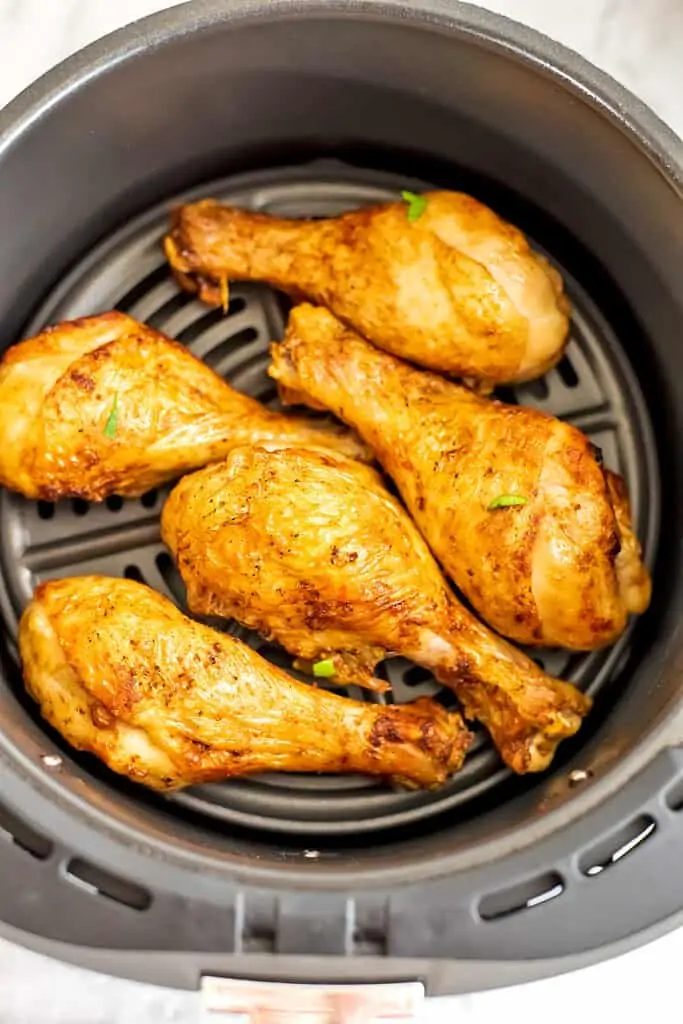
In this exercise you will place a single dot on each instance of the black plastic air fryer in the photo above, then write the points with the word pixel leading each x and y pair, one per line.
pixel 304 107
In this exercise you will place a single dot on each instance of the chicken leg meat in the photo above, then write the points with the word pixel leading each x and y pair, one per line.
pixel 310 549
pixel 440 279
pixel 106 405
pixel 123 674
pixel 513 503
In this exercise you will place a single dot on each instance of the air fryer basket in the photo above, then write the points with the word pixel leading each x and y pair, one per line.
pixel 285 107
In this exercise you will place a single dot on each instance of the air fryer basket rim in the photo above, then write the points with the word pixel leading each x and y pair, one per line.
pixel 528 45
pixel 637 782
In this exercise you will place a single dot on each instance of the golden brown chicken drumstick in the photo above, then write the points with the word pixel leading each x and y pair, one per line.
pixel 440 280
pixel 106 405
pixel 311 550
pixel 512 502
pixel 123 674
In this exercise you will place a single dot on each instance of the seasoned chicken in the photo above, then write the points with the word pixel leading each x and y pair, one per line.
pixel 309 548
pixel 107 405
pixel 439 280
pixel 123 674
pixel 514 503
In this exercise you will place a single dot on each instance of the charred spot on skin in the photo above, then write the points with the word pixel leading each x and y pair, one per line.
pixel 81 380
pixel 384 731
pixel 101 716
pixel 338 557
pixel 601 626
pixel 596 452
pixel 614 547
pixel 197 750
pixel 427 736
pixel 319 616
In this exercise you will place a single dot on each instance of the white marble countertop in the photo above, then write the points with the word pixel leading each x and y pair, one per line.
pixel 638 41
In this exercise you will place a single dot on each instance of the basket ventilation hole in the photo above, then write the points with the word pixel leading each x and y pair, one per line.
pixel 243 337
pixel 114 502
pixel 524 896
pixel 417 675
pixel 143 287
pixel 617 845
pixel 23 836
pixel 370 942
pixel 260 939
pixel 210 319
pixel 173 305
pixel 132 572
pixel 567 372
pixel 674 796
pixel 100 883
pixel 537 389
pixel 46 509
pixel 80 506
pixel 171 576
pixel 149 499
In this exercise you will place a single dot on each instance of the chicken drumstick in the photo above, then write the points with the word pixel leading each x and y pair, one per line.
pixel 513 503
pixel 106 405
pixel 440 280
pixel 123 674
pixel 311 550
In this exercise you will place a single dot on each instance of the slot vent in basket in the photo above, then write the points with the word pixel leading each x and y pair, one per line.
pixel 524 896
pixel 15 830
pixel 619 844
pixel 101 883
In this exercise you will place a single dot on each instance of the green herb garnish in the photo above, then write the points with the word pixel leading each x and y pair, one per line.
pixel 324 669
pixel 416 205
pixel 507 501
pixel 113 418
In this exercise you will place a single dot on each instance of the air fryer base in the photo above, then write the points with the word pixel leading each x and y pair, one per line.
pixel 441 978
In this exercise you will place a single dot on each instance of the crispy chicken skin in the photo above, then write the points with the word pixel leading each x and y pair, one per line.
pixel 123 674
pixel 107 405
pixel 457 289
pixel 310 549
pixel 562 566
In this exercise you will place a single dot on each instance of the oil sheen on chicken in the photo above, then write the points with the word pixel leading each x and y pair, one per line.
pixel 454 288
pixel 513 502
pixel 310 549
pixel 168 702
pixel 106 405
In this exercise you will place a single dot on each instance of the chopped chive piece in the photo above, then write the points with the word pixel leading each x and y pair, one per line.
pixel 113 418
pixel 416 205
pixel 507 501
pixel 324 669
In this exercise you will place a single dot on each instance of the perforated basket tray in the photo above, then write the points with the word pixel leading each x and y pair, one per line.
pixel 593 388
